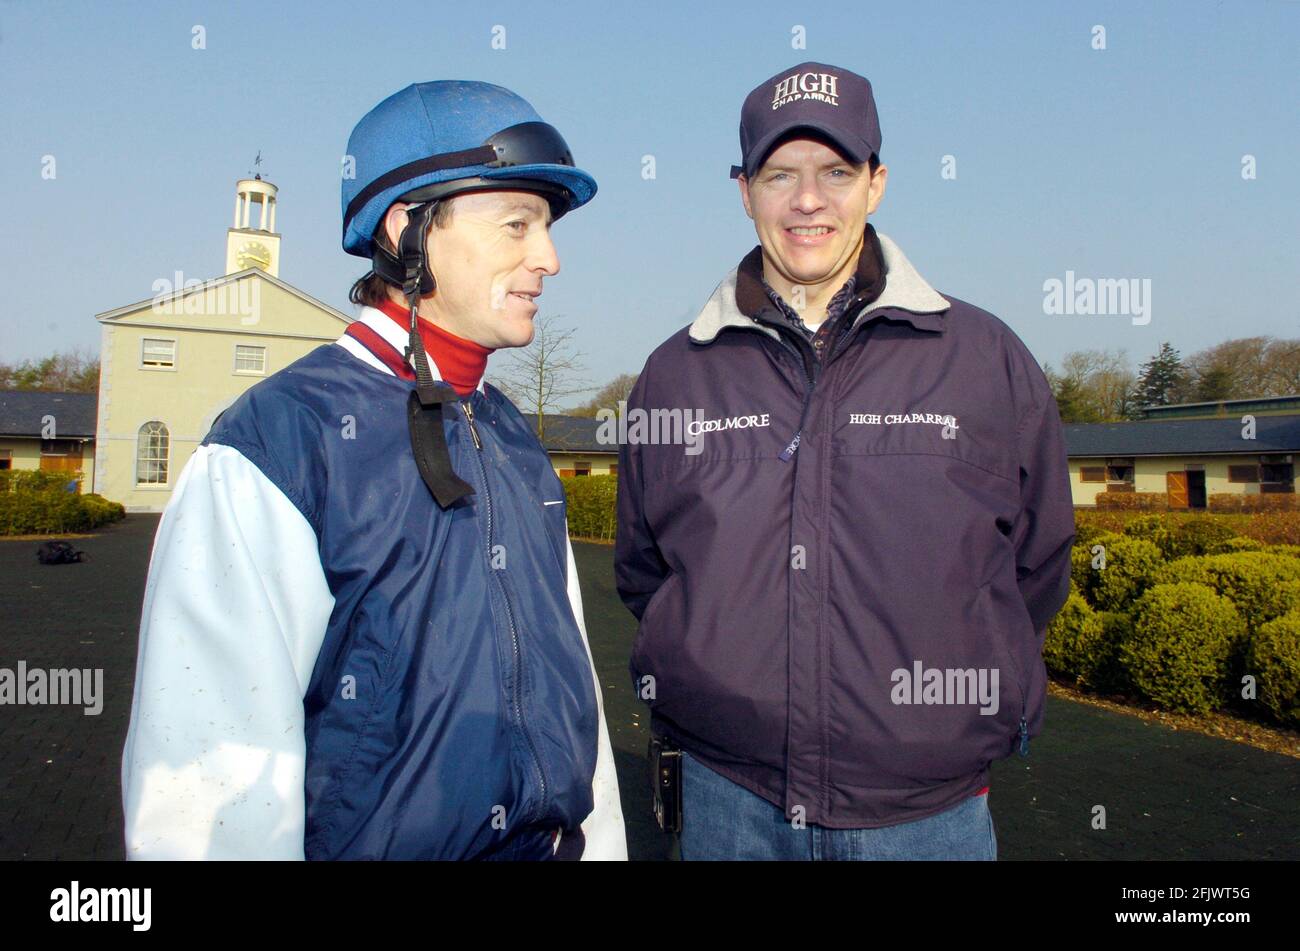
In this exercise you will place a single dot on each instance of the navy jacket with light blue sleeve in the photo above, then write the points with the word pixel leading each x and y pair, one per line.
pixel 332 667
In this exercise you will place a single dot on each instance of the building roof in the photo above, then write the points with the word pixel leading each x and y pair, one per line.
pixel 1183 437
pixel 1256 404
pixel 214 283
pixel 573 434
pixel 22 413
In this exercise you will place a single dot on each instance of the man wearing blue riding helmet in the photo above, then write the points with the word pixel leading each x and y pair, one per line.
pixel 363 634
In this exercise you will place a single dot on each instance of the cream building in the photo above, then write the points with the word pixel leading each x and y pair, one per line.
pixel 169 365
pixel 50 431
pixel 1184 460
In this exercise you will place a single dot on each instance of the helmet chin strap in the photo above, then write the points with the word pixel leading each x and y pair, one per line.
pixel 417 279
pixel 424 405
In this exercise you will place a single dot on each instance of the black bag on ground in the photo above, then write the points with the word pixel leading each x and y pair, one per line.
pixel 58 553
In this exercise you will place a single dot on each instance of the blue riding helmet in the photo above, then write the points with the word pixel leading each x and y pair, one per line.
pixel 423 144
pixel 461 135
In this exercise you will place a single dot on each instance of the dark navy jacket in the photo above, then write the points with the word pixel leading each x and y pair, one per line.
pixel 451 711
pixel 824 576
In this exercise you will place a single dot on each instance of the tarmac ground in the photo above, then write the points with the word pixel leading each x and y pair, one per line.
pixel 1167 794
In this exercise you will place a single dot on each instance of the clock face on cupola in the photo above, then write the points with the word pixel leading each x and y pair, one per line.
pixel 251 240
pixel 253 254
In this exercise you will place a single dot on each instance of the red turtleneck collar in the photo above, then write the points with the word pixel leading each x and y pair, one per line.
pixel 460 362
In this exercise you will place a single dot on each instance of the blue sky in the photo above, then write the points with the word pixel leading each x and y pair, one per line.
pixel 1117 163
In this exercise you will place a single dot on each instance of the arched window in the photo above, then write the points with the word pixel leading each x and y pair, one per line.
pixel 151 449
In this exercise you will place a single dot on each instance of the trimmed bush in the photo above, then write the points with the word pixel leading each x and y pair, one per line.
pixel 1071 637
pixel 1156 529
pixel 1133 501
pixel 1130 565
pixel 1184 636
pixel 1199 536
pixel 1236 543
pixel 1083 576
pixel 1106 521
pixel 33 502
pixel 1108 673
pixel 1273 657
pixel 1250 579
pixel 590 501
pixel 102 510
pixel 1283 599
pixel 1263 502
pixel 1082 645
pixel 1085 532
pixel 1272 528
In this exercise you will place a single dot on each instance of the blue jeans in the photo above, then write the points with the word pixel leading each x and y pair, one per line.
pixel 724 821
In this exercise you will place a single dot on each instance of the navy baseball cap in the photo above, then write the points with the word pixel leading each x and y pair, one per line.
pixel 826 99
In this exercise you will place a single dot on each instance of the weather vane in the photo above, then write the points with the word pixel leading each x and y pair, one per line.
pixel 257 160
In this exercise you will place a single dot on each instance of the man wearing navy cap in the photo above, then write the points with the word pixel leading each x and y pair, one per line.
pixel 843 589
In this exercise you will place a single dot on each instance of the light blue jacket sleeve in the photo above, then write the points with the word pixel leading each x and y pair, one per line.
pixel 235 610
pixel 606 838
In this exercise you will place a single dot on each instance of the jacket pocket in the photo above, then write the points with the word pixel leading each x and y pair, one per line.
pixel 1016 694
pixel 648 645
pixel 343 733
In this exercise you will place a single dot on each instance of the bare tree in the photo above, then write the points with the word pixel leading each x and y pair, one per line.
pixel 538 376
pixel 1098 382
pixel 1247 367
pixel 1099 386
pixel 609 396
pixel 73 371
pixel 1284 367
pixel 1233 369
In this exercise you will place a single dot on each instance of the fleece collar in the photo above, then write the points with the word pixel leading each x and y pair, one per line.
pixel 906 296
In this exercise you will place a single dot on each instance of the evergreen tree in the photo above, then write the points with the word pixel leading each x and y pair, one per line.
pixel 1158 379
pixel 1073 403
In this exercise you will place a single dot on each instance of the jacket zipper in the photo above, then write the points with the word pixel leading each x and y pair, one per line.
pixel 510 615
pixel 801 345
pixel 788 453
pixel 1023 732
pixel 810 381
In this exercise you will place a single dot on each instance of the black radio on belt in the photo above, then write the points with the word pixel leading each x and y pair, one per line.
pixel 666 783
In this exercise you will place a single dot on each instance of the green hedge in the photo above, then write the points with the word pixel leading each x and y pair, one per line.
pixel 1082 645
pixel 1085 532
pixel 34 502
pixel 1252 580
pixel 1274 659
pixel 1202 535
pixel 1184 637
pixel 1183 608
pixel 1072 641
pixel 590 503
pixel 1112 570
pixel 1155 529
pixel 1086 560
